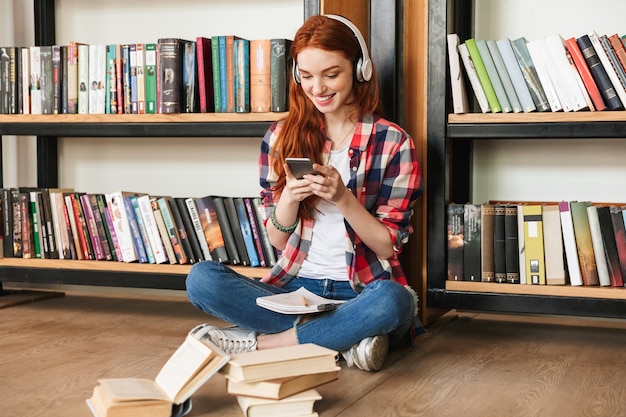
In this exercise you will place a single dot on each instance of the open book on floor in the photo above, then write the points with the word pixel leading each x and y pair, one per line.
pixel 301 301
pixel 191 365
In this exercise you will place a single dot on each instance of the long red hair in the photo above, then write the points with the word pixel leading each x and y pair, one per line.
pixel 301 134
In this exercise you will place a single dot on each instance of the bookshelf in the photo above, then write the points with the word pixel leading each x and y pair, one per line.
pixel 48 128
pixel 450 140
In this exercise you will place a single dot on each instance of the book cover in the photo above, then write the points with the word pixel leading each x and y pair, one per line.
pixel 67 247
pixel 553 246
pixel 227 233
pixel 204 60
pixel 280 66
pixel 172 230
pixel 599 251
pixel 569 244
pixel 520 86
pixel 455 241
pixel 150 78
pixel 471 242
pixel 276 389
pixel 211 228
pixel 505 77
pixel 494 76
pixel 533 241
pixel 141 227
pixel 216 67
pixel 90 221
pixel 170 67
pixel 532 57
pixel 549 74
pixel 115 202
pixel 100 223
pixel 483 76
pixel 190 78
pixel 487 221
pixel 301 404
pixel 135 231
pixel 197 227
pixel 511 248
pixel 242 75
pixel 165 237
pixel 246 231
pixel 256 231
pixel 151 229
pixel 585 73
pixel 269 250
pixel 300 301
pixel 105 227
pixel 615 268
pixel 186 232
pixel 260 76
pixel 75 232
pixel 261 365
pixel 47 80
pixel 499 244
pixel 619 232
pixel 605 63
pixel 584 245
pixel 565 73
pixel 457 81
pixel 235 227
pixel 472 75
pixel 83 79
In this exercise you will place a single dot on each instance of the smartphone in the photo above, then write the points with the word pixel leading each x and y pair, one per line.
pixel 300 166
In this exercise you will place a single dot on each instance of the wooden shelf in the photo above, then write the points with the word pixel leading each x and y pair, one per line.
pixel 616 293
pixel 543 117
pixel 141 118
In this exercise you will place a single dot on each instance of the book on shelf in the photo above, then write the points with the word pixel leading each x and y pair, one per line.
pixel 145 211
pixel 606 64
pixel 74 228
pixel 565 73
pixel 72 77
pixel 280 65
pixel 120 78
pixel 190 78
pixel 585 73
pixel 169 78
pixel 300 301
pixel 7 223
pixel 502 73
pixel 35 80
pixel 197 227
pixel 487 222
pixel 517 77
pixel 262 365
pixel 242 75
pixel 193 363
pixel 134 87
pixel 584 245
pixel 569 244
pixel 121 225
pixel 255 227
pixel 165 237
pixel 110 238
pixel 471 242
pixel 599 251
pixel 269 250
pixel 534 246
pixel 90 221
pixel 96 80
pixel 457 80
pixel 35 218
pixel 455 241
pixel 177 219
pixel 82 227
pixel 227 71
pixel 246 231
pixel 472 76
pixel 619 48
pixel 553 245
pixel 204 61
pixel 212 229
pixel 47 82
pixel 136 231
pixel 25 79
pixel 260 76
pixel 536 76
pixel 521 245
pixel 619 232
pixel 186 230
pixel 110 84
pixel 83 79
pixel 277 389
pixel 483 76
pixel 614 59
pixel 551 82
pixel 511 245
pixel 150 77
pixel 615 268
pixel 499 244
pixel 172 230
pixel 216 69
pixel 235 228
pixel 301 404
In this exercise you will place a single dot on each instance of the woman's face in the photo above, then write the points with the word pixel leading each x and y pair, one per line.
pixel 326 78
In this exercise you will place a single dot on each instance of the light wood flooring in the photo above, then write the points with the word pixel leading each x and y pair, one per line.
pixel 53 351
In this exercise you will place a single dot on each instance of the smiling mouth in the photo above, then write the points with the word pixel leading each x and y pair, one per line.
pixel 324 99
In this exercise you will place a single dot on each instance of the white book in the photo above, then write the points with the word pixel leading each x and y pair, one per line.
pixel 602 265
pixel 457 81
pixel 121 225
pixel 494 77
pixel 140 59
pixel 553 245
pixel 97 78
pixel 550 81
pixel 152 231
pixel 606 63
pixel 35 80
pixel 197 225
pixel 301 301
pixel 516 75
pixel 505 76
pixel 567 73
pixel 25 74
pixel 569 244
pixel 479 92
pixel 83 79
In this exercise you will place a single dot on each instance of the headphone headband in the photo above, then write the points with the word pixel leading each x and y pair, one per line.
pixel 363 67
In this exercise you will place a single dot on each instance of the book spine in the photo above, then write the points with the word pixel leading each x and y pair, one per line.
pixel 7 223
pixel 585 73
pixel 602 266
pixel 256 232
pixel 487 220
pixel 27 249
pixel 165 239
pixel 606 65
pixel 72 77
pixel 47 81
pixel 36 224
pixel 169 56
pixel 535 55
pixel 141 227
pixel 25 75
pixel 270 253
pixel 101 227
pixel 205 74
pixel 83 79
pixel 150 78
pixel 224 67
pixel 152 231
pixel 483 76
pixel 517 77
pixel 115 202
pixel 511 245
pixel 48 224
pixel 227 232
pixel 90 221
pixel 260 76
pixel 246 231
pixel 140 64
pixel 57 79
pixel 584 246
pixel 119 79
pixel 610 246
pixel 235 227
pixel 110 81
pixel 279 66
pixel 183 231
pixel 115 245
pixel 499 244
pixel 197 226
pixel 455 241
pixel 137 239
pixel 553 245
pixel 242 75
pixel 215 63
pixel 190 78
pixel 457 81
pixel 494 76
pixel 126 83
pixel 35 80
pixel 533 241
pixel 472 76
pixel 172 230
pixel 71 220
pixel 82 227
pixel 471 242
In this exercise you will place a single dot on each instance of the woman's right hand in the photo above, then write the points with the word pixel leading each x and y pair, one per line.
pixel 296 189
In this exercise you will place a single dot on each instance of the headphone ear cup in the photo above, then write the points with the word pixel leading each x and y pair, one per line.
pixel 295 73
pixel 358 70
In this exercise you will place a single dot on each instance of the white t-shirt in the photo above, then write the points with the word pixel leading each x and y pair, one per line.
pixel 326 257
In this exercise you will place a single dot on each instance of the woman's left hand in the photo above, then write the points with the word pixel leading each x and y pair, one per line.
pixel 329 185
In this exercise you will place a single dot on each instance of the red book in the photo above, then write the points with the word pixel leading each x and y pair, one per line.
pixel 204 59
pixel 620 50
pixel 585 74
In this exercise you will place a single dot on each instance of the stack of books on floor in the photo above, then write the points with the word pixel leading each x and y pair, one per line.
pixel 280 382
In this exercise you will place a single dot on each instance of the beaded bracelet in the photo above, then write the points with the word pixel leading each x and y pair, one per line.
pixel 280 227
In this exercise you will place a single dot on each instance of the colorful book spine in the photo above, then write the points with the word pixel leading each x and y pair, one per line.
pixel 279 69
pixel 83 79
pixel 585 74
pixel 135 233
pixel 242 75
pixel 205 74
pixel 471 242
pixel 455 241
pixel 533 241
pixel 483 76
pixel 494 76
pixel 217 86
pixel 172 230
pixel 584 245
pixel 150 78
pixel 197 227
pixel 152 231
pixel 511 245
pixel 260 76
pixel 246 231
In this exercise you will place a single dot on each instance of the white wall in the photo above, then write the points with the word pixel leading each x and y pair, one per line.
pixel 176 166
pixel 549 169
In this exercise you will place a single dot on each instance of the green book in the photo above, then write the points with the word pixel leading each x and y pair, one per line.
pixel 217 90
pixel 481 71
pixel 150 78
pixel 494 76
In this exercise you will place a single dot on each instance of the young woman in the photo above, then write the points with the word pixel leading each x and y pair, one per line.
pixel 340 231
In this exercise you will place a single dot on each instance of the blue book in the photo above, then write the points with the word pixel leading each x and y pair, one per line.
pixel 242 75
pixel 217 87
pixel 246 231
pixel 142 230
pixel 134 231
pixel 223 77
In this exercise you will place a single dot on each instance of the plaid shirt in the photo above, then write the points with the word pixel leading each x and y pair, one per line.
pixel 386 178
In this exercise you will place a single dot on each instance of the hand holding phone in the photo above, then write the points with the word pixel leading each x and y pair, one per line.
pixel 301 166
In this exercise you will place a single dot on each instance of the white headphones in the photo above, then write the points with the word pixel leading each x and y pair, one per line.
pixel 363 68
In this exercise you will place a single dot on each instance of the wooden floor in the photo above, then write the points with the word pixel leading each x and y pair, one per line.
pixel 53 351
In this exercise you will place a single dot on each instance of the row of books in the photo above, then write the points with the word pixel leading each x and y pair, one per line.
pixel 217 74
pixel 545 74
pixel 134 227
pixel 570 242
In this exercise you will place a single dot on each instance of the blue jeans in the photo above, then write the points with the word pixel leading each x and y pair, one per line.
pixel 383 307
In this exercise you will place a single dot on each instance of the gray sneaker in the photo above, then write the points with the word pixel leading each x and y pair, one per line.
pixel 369 354
pixel 233 339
